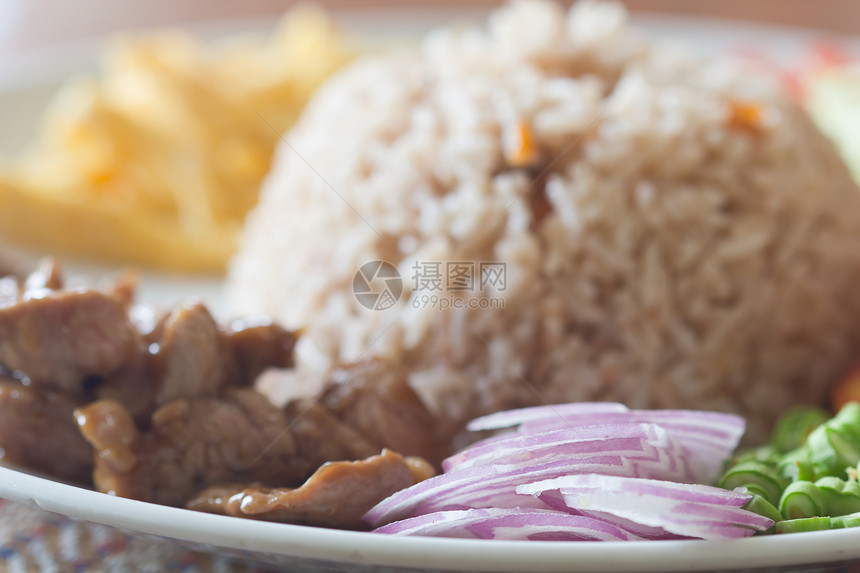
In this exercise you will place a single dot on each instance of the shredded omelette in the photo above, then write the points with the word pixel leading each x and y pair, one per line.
pixel 157 160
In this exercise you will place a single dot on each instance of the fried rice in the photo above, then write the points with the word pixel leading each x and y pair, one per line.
pixel 675 232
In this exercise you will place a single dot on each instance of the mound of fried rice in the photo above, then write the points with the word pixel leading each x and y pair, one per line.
pixel 676 233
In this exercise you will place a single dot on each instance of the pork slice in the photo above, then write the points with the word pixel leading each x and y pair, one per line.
pixel 191 444
pixel 373 397
pixel 38 431
pixel 184 354
pixel 60 338
pixel 338 494
pixel 257 343
pixel 320 437
pixel 136 385
pixel 193 358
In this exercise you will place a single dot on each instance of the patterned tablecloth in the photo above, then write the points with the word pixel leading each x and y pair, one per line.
pixel 37 541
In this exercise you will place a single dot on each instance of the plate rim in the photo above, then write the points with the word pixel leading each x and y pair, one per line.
pixel 368 549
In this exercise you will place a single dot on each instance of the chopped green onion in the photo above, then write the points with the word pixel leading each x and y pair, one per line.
pixel 803 524
pixel 794 426
pixel 765 454
pixel 761 506
pixel 850 520
pixel 839 497
pixel 795 465
pixel 835 445
pixel 807 478
pixel 802 499
pixel 758 478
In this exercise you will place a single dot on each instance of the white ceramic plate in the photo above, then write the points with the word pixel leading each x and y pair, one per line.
pixel 24 89
pixel 301 548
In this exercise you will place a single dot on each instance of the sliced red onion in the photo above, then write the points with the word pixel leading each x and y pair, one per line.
pixel 556 444
pixel 484 486
pixel 499 490
pixel 510 524
pixel 646 459
pixel 692 510
pixel 714 430
pixel 511 418
pixel 643 531
pixel 707 437
pixel 597 463
pixel 674 463
pixel 494 485
pixel 696 493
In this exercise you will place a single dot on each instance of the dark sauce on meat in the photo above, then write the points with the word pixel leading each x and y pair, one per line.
pixel 159 406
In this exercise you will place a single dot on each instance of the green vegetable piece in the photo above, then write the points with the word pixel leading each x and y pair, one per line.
pixel 795 465
pixel 850 520
pixel 830 482
pixel 851 488
pixel 823 458
pixel 802 499
pixel 829 496
pixel 835 445
pixel 761 506
pixel 847 420
pixel 803 524
pixel 845 446
pixel 758 478
pixel 765 454
pixel 805 470
pixel 839 497
pixel 794 426
pixel 754 489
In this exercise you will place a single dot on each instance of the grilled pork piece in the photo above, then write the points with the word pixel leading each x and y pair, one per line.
pixel 240 436
pixel 256 344
pixel 374 398
pixel 58 339
pixel 184 354
pixel 192 357
pixel 336 495
pixel 191 444
pixel 38 431
pixel 320 437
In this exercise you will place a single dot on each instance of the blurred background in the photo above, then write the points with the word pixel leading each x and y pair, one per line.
pixel 26 24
